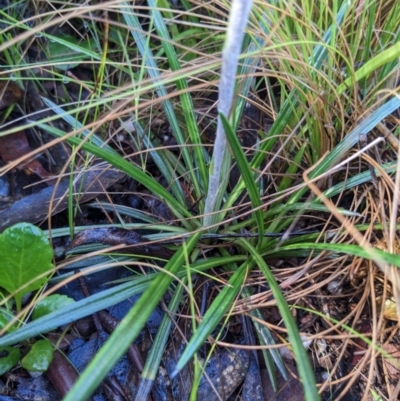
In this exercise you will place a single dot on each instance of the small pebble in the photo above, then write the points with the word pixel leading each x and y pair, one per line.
pixel 321 345
pixel 334 287
pixel 4 187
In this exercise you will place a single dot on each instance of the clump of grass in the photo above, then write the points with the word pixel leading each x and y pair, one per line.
pixel 327 79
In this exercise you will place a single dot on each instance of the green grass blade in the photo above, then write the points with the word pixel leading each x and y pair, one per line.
pixel 357 180
pixel 349 249
pixel 292 169
pixel 248 176
pixel 272 355
pixel 303 364
pixel 201 157
pixel 156 352
pixel 79 309
pixel 318 57
pixel 128 168
pixel 266 338
pixel 214 315
pixel 153 71
pixel 285 116
pixel 138 215
pixel 386 56
pixel 76 125
pixel 100 301
pixel 337 153
pixel 167 171
pixel 353 137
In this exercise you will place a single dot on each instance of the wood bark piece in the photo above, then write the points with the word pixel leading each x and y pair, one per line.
pixel 34 208
pixel 113 236
pixel 62 374
pixel 10 93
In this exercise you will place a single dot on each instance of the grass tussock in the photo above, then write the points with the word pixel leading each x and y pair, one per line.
pixel 311 147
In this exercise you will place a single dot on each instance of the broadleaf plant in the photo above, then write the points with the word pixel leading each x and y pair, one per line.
pixel 25 260
pixel 26 263
pixel 9 357
pixel 39 357
pixel 51 304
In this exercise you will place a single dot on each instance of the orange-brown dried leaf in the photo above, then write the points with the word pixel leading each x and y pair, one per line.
pixel 10 93
pixel 15 146
pixel 392 365
pixel 360 346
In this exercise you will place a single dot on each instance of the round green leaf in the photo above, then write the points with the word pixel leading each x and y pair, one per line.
pixel 39 357
pixel 51 304
pixel 9 358
pixel 25 254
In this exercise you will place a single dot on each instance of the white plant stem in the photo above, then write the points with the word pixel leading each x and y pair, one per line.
pixel 233 44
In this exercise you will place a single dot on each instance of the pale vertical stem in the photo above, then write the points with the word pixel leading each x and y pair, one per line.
pixel 233 44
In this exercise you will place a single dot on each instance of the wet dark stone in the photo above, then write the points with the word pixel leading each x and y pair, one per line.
pixel 35 389
pixel 4 187
pixel 95 282
pixel 226 370
pixel 159 209
pixel 82 352
pixel 8 398
pixel 134 201
pixel 252 387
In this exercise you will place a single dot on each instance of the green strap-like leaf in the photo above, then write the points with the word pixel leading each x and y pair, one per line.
pixel 186 101
pixel 248 176
pixel 214 315
pixel 152 69
pixel 156 352
pixel 354 250
pixel 386 56
pixel 100 301
pixel 303 364
pixel 124 166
